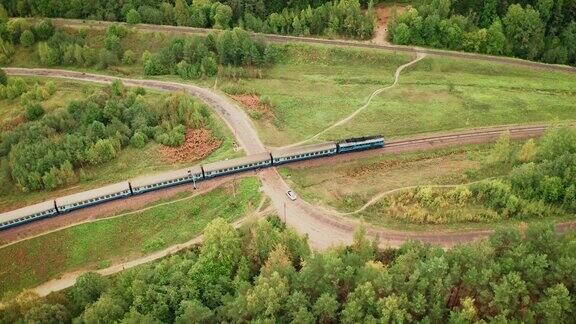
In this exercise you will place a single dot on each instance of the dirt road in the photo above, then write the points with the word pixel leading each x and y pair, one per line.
pixel 76 23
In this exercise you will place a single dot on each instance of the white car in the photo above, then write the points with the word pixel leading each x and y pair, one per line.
pixel 291 195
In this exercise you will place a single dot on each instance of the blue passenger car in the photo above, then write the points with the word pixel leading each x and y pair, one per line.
pixel 27 214
pixel 360 144
pixel 93 197
pixel 293 154
pixel 251 162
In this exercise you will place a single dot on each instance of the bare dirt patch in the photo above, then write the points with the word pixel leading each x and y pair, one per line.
pixel 199 143
pixel 253 103
pixel 384 14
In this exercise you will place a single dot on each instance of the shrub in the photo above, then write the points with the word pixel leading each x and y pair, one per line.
pixel 15 88
pixel 27 38
pixel 107 58
pixel 3 77
pixel 140 91
pixel 153 65
pixel 117 87
pixel 34 111
pixel 133 17
pixel 139 140
pixel 173 138
pixel 103 151
pixel 44 29
pixel 117 30
pixel 13 29
pixel 129 57
pixel 6 52
pixel 48 55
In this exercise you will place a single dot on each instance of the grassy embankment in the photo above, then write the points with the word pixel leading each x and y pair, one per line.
pixel 130 162
pixel 99 244
pixel 316 86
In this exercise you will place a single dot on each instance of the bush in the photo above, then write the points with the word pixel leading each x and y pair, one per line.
pixel 139 140
pixel 48 55
pixel 107 59
pixel 6 52
pixel 153 65
pixel 117 30
pixel 129 57
pixel 3 77
pixel 174 138
pixel 27 38
pixel 34 111
pixel 13 30
pixel 15 88
pixel 103 151
pixel 44 29
pixel 133 17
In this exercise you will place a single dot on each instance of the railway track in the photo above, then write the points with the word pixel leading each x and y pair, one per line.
pixel 515 131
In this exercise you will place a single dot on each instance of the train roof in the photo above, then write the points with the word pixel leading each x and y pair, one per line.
pixel 361 139
pixel 253 158
pixel 291 151
pixel 91 194
pixel 26 211
pixel 163 176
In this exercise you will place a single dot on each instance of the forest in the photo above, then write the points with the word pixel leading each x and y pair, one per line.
pixel 46 150
pixel 265 272
pixel 303 17
pixel 190 57
pixel 542 30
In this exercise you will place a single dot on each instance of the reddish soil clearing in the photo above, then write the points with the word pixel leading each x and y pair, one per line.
pixel 253 102
pixel 383 13
pixel 199 143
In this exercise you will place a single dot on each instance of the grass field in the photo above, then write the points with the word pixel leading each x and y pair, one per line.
pixel 311 92
pixel 349 185
pixel 89 246
pixel 314 87
pixel 131 162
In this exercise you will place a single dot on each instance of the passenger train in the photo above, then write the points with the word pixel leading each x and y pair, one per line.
pixel 144 184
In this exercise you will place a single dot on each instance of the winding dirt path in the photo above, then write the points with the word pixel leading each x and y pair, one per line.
pixel 419 56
